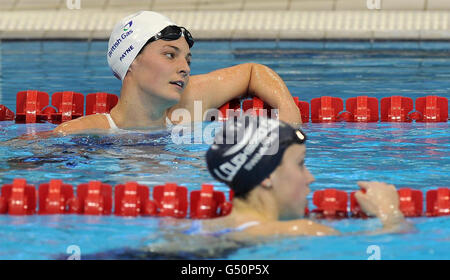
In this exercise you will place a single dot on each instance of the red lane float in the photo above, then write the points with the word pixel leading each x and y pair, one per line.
pixel 30 105
pixel 207 203
pixel 431 109
pixel 100 102
pixel 360 109
pixel 396 109
pixel 94 198
pixel 18 198
pixel 326 109
pixel 69 105
pixel 438 202
pixel 3 205
pixel 54 197
pixel 6 114
pixel 171 200
pixel 132 199
pixel 229 109
pixel 331 203
pixel 303 106
pixel 410 202
pixel 257 107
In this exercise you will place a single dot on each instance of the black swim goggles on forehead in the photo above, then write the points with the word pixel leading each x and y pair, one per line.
pixel 296 137
pixel 173 32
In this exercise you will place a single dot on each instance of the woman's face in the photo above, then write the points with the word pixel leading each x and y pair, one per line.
pixel 162 68
pixel 290 181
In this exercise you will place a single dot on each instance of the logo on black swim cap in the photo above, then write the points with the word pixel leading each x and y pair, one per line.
pixel 241 142
pixel 248 149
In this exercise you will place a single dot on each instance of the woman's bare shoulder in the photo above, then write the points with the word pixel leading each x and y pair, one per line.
pixel 98 121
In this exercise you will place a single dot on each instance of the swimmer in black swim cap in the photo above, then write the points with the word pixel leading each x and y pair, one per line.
pixel 247 152
pixel 249 148
pixel 263 162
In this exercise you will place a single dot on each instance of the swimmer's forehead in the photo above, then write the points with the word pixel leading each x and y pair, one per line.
pixel 299 151
pixel 302 150
pixel 175 48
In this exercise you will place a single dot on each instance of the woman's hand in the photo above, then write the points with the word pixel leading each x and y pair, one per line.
pixel 381 200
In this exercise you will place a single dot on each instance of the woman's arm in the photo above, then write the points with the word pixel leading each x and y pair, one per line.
pixel 306 227
pixel 218 87
pixel 83 124
pixel 377 199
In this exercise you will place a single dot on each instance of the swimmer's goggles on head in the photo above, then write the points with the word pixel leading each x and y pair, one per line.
pixel 296 137
pixel 173 32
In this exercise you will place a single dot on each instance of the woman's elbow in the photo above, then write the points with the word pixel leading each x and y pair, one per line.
pixel 60 130
pixel 68 127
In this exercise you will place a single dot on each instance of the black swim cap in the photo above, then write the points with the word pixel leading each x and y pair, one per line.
pixel 248 149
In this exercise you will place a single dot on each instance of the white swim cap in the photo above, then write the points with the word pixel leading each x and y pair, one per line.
pixel 128 37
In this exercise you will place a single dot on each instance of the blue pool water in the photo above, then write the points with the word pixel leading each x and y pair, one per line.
pixel 411 155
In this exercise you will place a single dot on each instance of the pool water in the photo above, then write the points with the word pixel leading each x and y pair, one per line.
pixel 415 155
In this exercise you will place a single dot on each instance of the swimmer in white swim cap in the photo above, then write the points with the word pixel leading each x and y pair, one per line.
pixel 151 55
